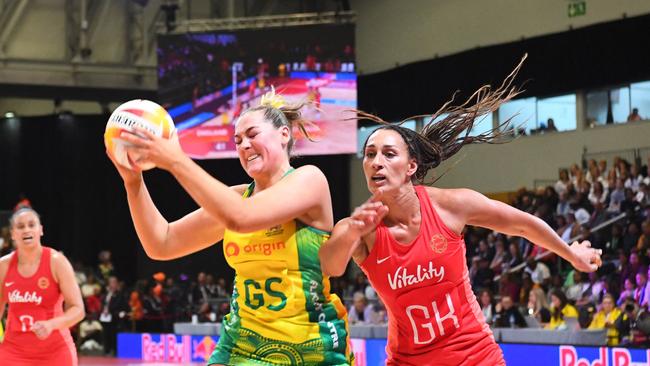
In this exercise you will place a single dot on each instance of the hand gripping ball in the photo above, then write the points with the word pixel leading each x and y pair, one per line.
pixel 135 113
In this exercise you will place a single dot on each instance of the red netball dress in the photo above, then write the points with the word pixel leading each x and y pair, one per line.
pixel 433 315
pixel 33 299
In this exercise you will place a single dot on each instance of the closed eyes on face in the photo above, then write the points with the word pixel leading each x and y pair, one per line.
pixel 250 133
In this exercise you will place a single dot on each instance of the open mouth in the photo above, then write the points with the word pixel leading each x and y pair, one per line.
pixel 28 238
pixel 378 178
pixel 253 157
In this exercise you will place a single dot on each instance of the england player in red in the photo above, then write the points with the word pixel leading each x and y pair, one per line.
pixel 35 281
pixel 408 240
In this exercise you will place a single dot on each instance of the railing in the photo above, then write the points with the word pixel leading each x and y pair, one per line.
pixel 643 154
pixel 543 183
pixel 627 154
pixel 638 155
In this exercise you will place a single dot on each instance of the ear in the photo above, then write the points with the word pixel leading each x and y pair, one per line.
pixel 413 167
pixel 285 132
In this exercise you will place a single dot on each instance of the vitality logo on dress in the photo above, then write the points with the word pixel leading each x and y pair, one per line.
pixel 16 297
pixel 402 278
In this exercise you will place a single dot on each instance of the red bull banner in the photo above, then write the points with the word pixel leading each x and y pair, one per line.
pixel 188 349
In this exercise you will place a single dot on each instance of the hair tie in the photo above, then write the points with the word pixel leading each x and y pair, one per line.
pixel 271 99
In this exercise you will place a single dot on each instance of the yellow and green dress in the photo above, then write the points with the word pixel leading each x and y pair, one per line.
pixel 282 312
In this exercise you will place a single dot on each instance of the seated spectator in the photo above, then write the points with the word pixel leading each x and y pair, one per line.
pixel 379 315
pixel 550 126
pixel 641 289
pixel 617 195
pixel 105 267
pixel 628 291
pixel 526 286
pixel 643 194
pixel 625 322
pixel 635 178
pixel 615 242
pixel 500 256
pixel 593 292
pixel 631 239
pixel 360 312
pixel 643 243
pixel 91 287
pixel 560 310
pixel 539 272
pixel 136 311
pixel 537 306
pixel 598 193
pixel 574 291
pixel 602 167
pixel 634 116
pixel 640 292
pixel 572 228
pixel 487 306
pixel 563 182
pixel 508 316
pixel 606 318
pixel 514 258
pixel 484 275
pixel 222 290
pixel 629 204
pixel 563 205
pixel 508 286
pixel 90 335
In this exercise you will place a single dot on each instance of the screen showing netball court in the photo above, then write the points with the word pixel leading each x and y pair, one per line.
pixel 207 79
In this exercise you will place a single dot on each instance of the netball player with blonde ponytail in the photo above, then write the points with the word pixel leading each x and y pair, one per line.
pixel 281 310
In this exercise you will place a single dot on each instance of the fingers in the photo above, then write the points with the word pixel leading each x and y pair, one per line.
pixel 144 132
pixel 134 139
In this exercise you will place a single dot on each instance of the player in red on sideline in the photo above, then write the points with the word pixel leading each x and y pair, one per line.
pixel 408 240
pixel 35 281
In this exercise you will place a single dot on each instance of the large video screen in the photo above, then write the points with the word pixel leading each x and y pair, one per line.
pixel 206 80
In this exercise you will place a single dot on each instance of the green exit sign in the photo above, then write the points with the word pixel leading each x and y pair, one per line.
pixel 577 8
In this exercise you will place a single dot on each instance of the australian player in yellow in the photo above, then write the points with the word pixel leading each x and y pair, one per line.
pixel 282 312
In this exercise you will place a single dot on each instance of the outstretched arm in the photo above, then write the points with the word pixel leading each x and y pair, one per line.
pixel 479 210
pixel 308 184
pixel 349 237
pixel 161 239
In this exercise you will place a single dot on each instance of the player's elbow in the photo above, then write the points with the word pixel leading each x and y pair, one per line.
pixel 158 252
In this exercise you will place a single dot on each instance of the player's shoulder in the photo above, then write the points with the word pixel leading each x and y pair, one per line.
pixel 4 264
pixel 450 197
pixel 5 259
pixel 58 258
pixel 310 171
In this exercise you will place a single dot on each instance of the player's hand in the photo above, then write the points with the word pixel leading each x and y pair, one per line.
pixel 586 258
pixel 149 148
pixel 42 329
pixel 128 176
pixel 366 217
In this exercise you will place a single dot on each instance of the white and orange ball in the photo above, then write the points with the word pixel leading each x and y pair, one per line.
pixel 140 113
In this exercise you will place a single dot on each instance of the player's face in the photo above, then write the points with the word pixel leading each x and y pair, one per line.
pixel 260 145
pixel 26 230
pixel 386 161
